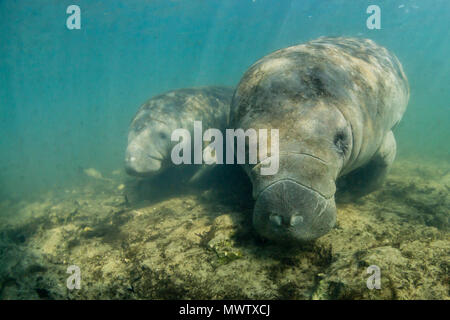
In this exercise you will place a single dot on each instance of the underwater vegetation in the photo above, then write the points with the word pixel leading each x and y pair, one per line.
pixel 140 240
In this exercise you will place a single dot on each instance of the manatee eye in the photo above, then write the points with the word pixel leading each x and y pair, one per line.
pixel 341 143
pixel 162 135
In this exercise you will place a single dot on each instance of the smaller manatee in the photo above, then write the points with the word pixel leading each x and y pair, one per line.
pixel 149 139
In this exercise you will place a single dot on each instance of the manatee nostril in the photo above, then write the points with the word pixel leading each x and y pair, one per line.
pixel 276 219
pixel 296 220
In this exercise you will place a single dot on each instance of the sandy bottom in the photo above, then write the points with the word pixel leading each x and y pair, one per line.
pixel 145 240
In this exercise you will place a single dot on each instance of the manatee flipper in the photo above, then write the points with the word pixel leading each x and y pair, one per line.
pixel 202 172
pixel 370 177
pixel 210 159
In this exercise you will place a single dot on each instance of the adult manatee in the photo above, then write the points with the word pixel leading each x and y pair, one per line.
pixel 149 139
pixel 335 102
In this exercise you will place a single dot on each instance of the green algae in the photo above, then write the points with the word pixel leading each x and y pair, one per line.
pixel 200 245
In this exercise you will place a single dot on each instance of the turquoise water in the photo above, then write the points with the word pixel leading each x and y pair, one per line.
pixel 67 96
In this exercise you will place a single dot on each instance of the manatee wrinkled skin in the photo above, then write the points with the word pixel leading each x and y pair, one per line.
pixel 335 102
pixel 149 139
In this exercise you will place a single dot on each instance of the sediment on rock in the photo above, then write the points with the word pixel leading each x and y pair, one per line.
pixel 199 244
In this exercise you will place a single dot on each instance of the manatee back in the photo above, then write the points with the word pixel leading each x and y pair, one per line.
pixel 360 78
pixel 210 105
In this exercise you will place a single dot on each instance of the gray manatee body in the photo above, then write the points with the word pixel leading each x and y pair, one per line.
pixel 149 138
pixel 335 102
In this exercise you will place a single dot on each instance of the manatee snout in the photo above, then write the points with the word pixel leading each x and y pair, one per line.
pixel 287 211
pixel 141 162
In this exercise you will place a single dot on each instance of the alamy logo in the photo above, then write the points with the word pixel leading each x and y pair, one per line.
pixel 74 20
pixel 258 145
pixel 374 20
pixel 74 280
pixel 374 281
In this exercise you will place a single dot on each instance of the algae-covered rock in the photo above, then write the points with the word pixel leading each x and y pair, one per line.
pixel 199 244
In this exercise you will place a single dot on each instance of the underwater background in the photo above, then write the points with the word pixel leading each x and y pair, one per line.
pixel 67 98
